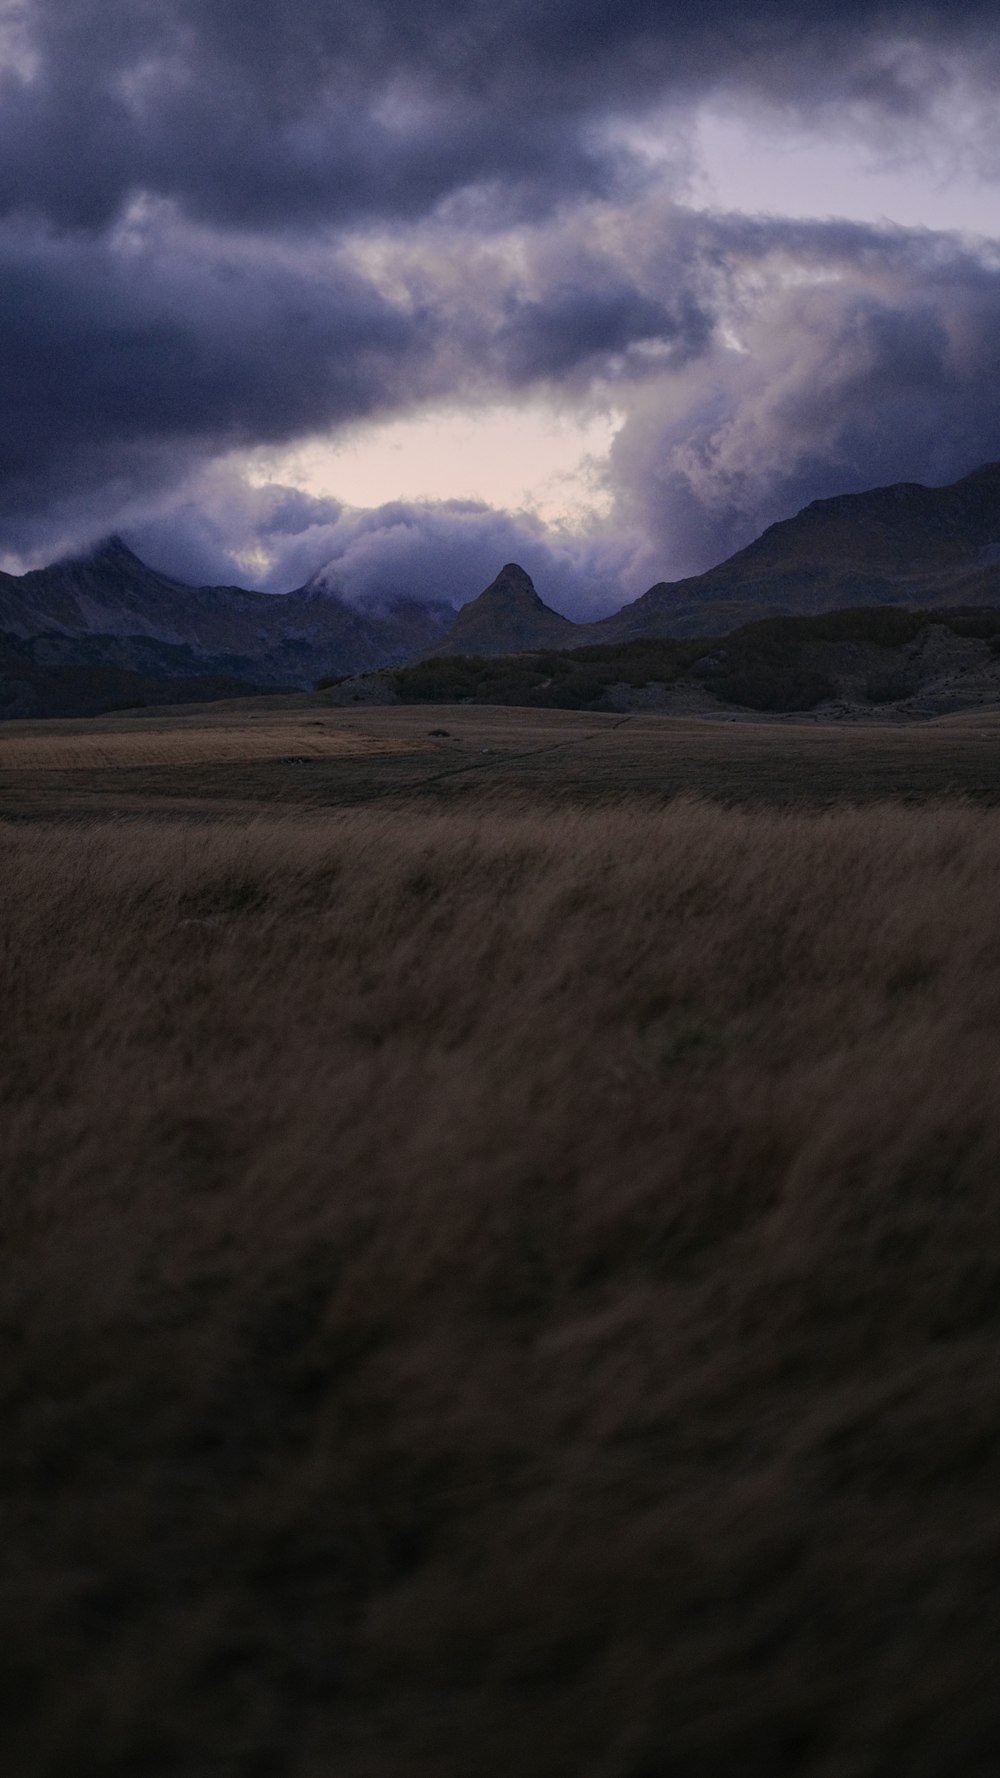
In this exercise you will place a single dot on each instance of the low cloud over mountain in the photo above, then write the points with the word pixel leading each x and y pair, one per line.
pixel 105 629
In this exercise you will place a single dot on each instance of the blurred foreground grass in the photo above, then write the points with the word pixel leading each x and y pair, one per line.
pixel 500 1289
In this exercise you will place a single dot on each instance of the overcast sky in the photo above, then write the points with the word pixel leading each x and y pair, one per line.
pixel 411 287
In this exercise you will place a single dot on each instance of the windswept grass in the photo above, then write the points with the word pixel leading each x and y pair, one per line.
pixel 510 1294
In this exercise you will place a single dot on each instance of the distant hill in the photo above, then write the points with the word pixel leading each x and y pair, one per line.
pixel 905 545
pixel 44 677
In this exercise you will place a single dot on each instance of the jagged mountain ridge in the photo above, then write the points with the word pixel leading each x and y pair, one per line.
pixel 119 611
pixel 900 545
pixel 109 613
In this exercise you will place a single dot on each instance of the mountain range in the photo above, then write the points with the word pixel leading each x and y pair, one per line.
pixel 101 630
pixel 105 629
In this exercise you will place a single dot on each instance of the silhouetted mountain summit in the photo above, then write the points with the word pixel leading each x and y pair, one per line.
pixel 903 529
pixel 113 549
pixel 507 618
pixel 901 545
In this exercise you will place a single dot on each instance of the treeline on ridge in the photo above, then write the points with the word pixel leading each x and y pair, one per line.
pixel 761 666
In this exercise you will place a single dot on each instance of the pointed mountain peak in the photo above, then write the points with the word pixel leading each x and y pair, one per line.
pixel 110 552
pixel 324 584
pixel 507 618
pixel 512 583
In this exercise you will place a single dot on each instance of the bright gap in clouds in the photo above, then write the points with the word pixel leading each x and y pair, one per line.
pixel 784 172
pixel 552 463
pixel 524 458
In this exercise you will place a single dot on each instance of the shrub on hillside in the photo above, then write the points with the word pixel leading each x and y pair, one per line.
pixel 889 687
pixel 761 685
pixel 759 666
pixel 887 626
pixel 982 625
pixel 444 680
pixel 653 660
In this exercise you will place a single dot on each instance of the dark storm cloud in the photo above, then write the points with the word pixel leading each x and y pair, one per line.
pixel 284 115
pixel 123 367
pixel 867 357
pixel 758 363
pixel 278 117
pixel 126 361
pixel 226 227
pixel 836 357
pixel 275 538
pixel 574 329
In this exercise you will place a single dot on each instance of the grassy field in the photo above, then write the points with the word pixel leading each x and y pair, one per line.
pixel 181 740
pixel 296 752
pixel 501 1267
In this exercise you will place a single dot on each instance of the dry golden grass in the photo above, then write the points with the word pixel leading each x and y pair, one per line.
pixel 509 1294
pixel 176 741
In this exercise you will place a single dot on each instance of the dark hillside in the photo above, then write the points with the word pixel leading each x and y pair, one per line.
pixel 110 610
pixel 45 677
pixel 901 545
pixel 931 549
pixel 777 664
pixel 903 529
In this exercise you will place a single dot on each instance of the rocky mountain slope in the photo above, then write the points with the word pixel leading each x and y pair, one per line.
pixel 924 548
pixel 110 616
pixel 901 545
